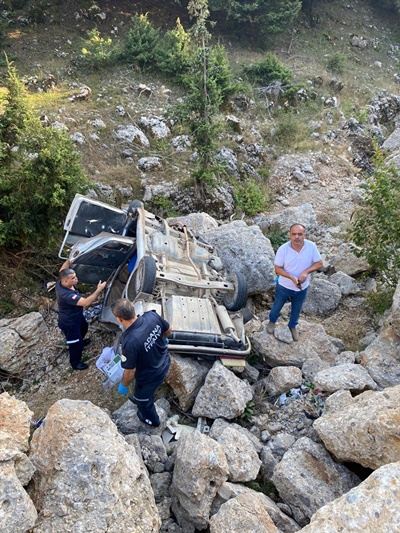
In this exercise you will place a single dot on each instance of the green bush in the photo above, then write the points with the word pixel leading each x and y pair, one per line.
pixel 376 227
pixel 140 43
pixel 381 300
pixel 40 174
pixel 172 53
pixel 336 63
pixel 277 238
pixel 251 198
pixel 267 71
pixel 97 51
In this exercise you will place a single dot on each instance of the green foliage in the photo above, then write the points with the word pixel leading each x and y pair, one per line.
pixel 376 227
pixel 165 206
pixel 248 411
pixel 139 45
pixel 272 16
pixel 277 238
pixel 39 175
pixel 172 54
pixel 287 129
pixel 381 300
pixel 265 486
pixel 251 198
pixel 268 70
pixel 97 51
pixel 336 63
pixel 391 5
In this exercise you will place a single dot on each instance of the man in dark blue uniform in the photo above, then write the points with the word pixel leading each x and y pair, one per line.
pixel 144 356
pixel 70 313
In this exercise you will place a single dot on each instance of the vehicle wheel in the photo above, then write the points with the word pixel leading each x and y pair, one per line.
pixel 146 275
pixel 236 300
pixel 134 205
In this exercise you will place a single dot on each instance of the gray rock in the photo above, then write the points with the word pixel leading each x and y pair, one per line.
pixel 228 491
pixel 131 134
pixel 303 214
pixel 20 342
pixel 155 126
pixel 382 358
pixel 243 513
pixel 282 379
pixel 222 395
pixel 127 421
pixel 149 163
pixel 354 378
pixel 220 424
pixel 227 158
pixel 307 478
pixel 88 478
pixel 153 452
pixel 364 431
pixel 186 376
pixel 200 470
pixel 346 261
pixel 346 283
pixel 322 297
pixel 368 508
pixel 245 249
pixel 198 223
pixel 243 461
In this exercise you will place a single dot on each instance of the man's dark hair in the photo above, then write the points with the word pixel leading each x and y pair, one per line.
pixel 123 309
pixel 297 224
pixel 65 273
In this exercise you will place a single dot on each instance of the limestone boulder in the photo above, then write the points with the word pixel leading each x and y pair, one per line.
pixel 186 376
pixel 222 395
pixel 200 469
pixel 370 507
pixel 87 476
pixel 322 297
pixel 246 250
pixel 282 379
pixel 243 513
pixel 346 261
pixel 365 430
pixel 198 223
pixel 229 491
pixel 243 461
pixel 313 342
pixel 128 422
pixel 307 478
pixel 20 342
pixel 352 377
pixel 382 358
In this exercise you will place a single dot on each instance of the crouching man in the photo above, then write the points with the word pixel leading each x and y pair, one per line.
pixel 144 356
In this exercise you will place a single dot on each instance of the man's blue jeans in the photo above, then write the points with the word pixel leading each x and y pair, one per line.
pixel 282 295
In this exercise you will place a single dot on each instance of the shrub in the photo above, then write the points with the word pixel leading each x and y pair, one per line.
pixel 39 175
pixel 140 42
pixel 97 51
pixel 376 227
pixel 250 198
pixel 381 300
pixel 172 54
pixel 268 70
pixel 336 62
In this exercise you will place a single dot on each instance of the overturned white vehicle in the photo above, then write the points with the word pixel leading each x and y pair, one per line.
pixel 162 267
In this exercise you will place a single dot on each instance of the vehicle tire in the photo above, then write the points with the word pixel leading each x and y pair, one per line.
pixel 146 275
pixel 134 205
pixel 236 300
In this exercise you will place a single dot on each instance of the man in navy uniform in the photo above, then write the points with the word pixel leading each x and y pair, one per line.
pixel 144 356
pixel 71 320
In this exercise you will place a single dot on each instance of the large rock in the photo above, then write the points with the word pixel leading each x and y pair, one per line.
pixel 200 469
pixel 186 376
pixel 243 513
pixel 131 134
pixel 346 376
pixel 282 379
pixel 382 358
pixel 307 478
pixel 243 461
pixel 222 395
pixel 322 297
pixel 228 491
pixel 17 511
pixel 365 431
pixel 244 249
pixel 303 214
pixel 346 261
pixel 20 340
pixel 88 478
pixel 368 508
pixel 313 342
pixel 128 422
pixel 199 223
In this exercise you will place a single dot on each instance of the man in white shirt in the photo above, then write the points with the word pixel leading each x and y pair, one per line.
pixel 294 262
